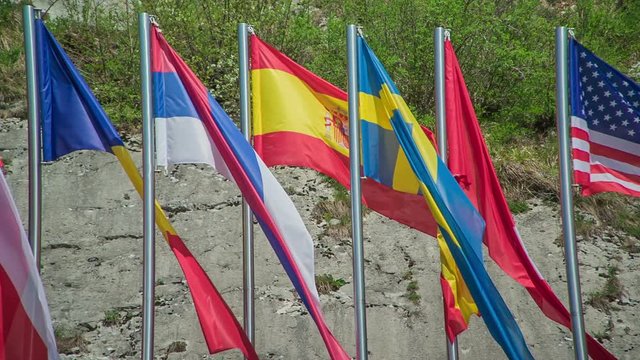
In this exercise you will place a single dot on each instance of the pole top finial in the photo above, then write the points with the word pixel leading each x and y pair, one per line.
pixel 153 19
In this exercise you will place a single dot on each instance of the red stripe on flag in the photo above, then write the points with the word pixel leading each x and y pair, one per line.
pixel 263 56
pixel 220 327
pixel 579 133
pixel 622 176
pixel 606 186
pixel 581 155
pixel 453 318
pixel 310 152
pixel 614 154
pixel 19 340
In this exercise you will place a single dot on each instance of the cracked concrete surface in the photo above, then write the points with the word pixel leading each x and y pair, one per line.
pixel 92 253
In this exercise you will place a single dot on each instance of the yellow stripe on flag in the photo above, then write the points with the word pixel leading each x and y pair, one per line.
pixel 131 170
pixel 301 110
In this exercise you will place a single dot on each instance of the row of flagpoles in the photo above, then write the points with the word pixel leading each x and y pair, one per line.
pixel 450 232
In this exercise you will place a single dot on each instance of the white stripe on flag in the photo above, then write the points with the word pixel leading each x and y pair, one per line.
pixel 579 123
pixel 616 165
pixel 582 166
pixel 184 140
pixel 606 177
pixel 580 144
pixel 291 226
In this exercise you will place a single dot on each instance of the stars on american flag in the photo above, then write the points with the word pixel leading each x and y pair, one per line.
pixel 609 101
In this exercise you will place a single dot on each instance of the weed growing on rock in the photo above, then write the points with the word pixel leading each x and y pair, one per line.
pixel 630 244
pixel 70 340
pixel 112 317
pixel 177 347
pixel 606 333
pixel 612 291
pixel 584 225
pixel 335 212
pixel 326 283
pixel 412 292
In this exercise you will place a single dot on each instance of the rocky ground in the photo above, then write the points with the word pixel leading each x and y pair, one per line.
pixel 92 254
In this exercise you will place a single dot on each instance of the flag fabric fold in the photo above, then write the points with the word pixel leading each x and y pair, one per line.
pixel 460 226
pixel 605 125
pixel 25 324
pixel 72 119
pixel 468 157
pixel 186 112
pixel 299 119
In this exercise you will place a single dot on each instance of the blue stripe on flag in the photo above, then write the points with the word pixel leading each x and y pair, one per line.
pixel 371 73
pixel 379 162
pixel 240 147
pixel 170 98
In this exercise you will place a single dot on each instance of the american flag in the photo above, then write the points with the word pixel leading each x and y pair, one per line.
pixel 605 125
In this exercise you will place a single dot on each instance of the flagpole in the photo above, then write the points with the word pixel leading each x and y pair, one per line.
pixel 148 189
pixel 248 280
pixel 356 195
pixel 566 194
pixel 441 120
pixel 35 173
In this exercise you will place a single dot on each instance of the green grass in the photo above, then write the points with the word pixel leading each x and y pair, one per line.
pixel 412 292
pixel 518 206
pixel 611 291
pixel 326 283
pixel 112 317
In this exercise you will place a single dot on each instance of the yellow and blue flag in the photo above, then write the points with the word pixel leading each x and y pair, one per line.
pixel 396 152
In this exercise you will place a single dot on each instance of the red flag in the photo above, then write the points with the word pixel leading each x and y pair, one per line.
pixel 25 325
pixel 469 160
pixel 221 329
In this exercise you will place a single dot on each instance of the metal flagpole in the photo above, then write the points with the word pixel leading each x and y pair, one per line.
pixel 148 168
pixel 566 195
pixel 247 216
pixel 35 174
pixel 356 195
pixel 441 118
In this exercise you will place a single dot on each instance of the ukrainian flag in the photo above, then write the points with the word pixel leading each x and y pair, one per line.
pixel 397 153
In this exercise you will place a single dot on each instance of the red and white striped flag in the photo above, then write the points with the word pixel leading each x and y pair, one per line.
pixel 25 325
pixel 605 125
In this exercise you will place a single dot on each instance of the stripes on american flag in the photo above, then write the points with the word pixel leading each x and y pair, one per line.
pixel 605 125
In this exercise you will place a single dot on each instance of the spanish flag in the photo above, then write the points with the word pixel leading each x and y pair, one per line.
pixel 299 119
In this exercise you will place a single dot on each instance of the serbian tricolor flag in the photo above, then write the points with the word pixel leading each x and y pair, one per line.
pixel 469 160
pixel 299 119
pixel 191 127
pixel 25 325
pixel 72 119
